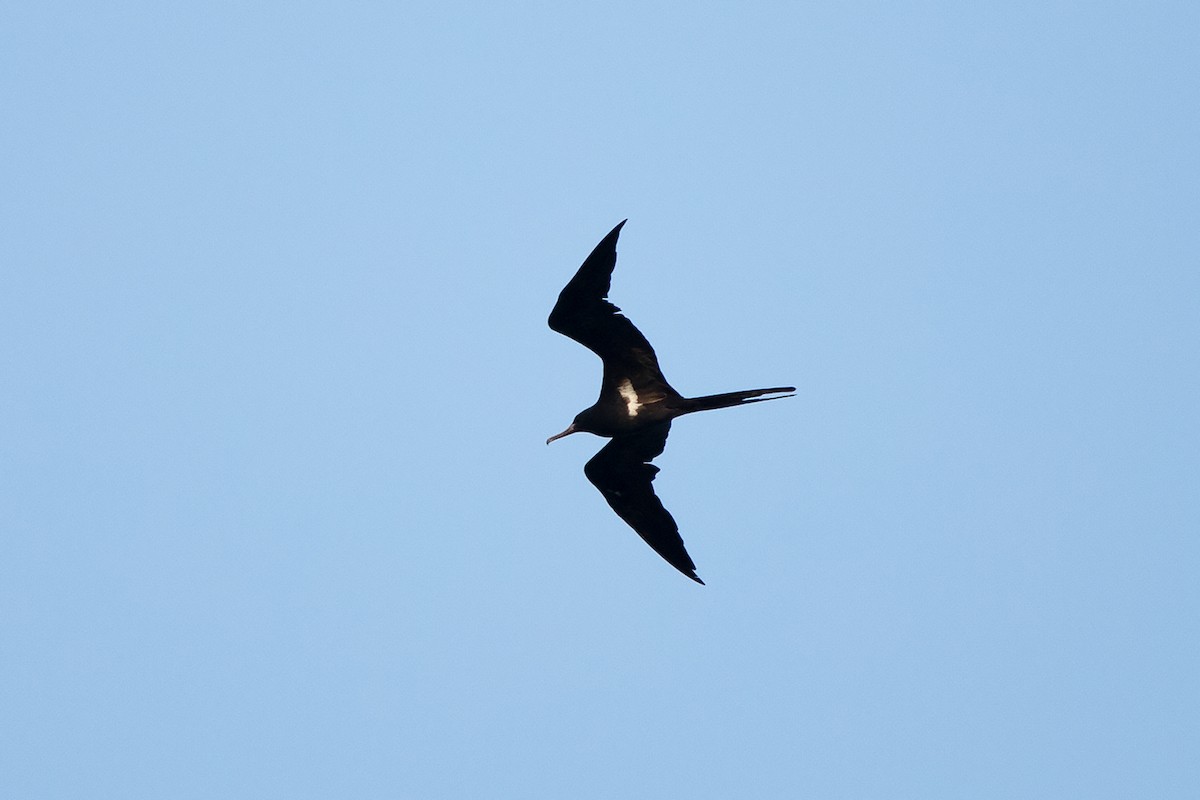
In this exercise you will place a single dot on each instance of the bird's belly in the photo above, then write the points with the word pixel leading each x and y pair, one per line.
pixel 614 419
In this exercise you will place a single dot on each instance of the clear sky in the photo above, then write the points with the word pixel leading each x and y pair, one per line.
pixel 277 516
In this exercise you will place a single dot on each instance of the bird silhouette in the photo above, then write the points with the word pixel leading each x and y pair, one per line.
pixel 636 404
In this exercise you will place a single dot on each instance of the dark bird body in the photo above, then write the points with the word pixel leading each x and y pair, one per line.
pixel 635 407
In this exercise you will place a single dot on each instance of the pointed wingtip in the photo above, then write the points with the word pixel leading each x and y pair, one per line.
pixel 609 240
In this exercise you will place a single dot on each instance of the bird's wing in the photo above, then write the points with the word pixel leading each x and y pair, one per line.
pixel 623 474
pixel 584 314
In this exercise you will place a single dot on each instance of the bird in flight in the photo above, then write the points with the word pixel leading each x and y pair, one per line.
pixel 636 404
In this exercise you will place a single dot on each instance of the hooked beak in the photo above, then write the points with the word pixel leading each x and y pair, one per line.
pixel 570 429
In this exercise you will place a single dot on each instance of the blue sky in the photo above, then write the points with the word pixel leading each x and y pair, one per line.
pixel 278 519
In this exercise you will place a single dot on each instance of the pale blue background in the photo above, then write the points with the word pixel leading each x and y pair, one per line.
pixel 278 520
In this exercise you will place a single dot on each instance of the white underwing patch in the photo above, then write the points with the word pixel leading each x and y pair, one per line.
pixel 630 397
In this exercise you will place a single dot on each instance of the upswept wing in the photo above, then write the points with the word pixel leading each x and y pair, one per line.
pixel 623 474
pixel 584 314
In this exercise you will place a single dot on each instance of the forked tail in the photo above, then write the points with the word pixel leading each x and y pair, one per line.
pixel 711 401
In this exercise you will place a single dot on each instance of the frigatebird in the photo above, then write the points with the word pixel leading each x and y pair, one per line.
pixel 636 404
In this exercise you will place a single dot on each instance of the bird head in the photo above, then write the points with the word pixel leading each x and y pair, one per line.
pixel 583 423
